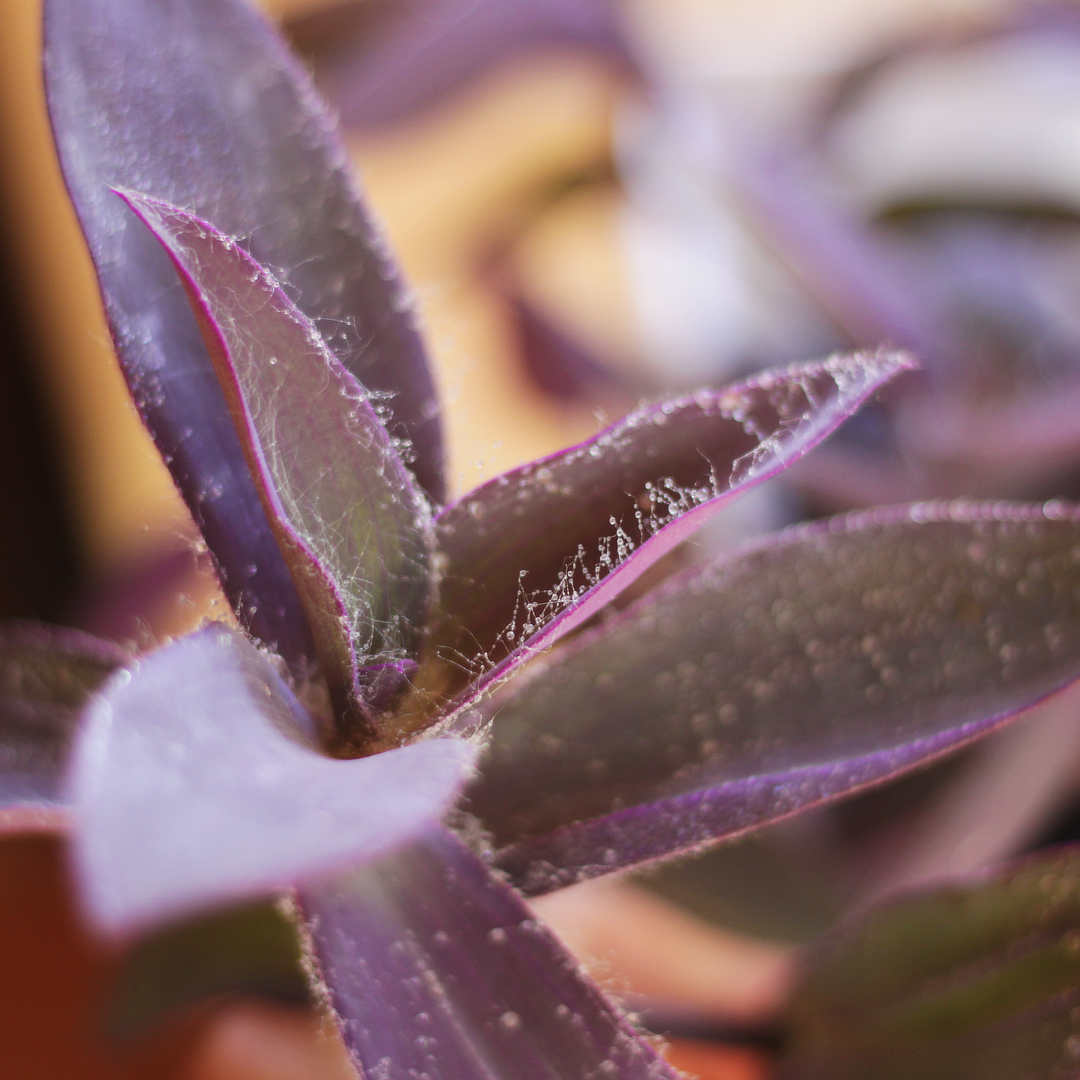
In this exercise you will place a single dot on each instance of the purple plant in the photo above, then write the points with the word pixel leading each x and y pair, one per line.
pixel 368 743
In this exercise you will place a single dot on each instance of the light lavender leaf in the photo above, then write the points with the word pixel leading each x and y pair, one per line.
pixel 196 781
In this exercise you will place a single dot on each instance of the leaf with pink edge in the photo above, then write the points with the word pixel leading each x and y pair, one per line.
pixel 818 662
pixel 355 531
pixel 224 796
pixel 533 553
pixel 199 103
pixel 435 967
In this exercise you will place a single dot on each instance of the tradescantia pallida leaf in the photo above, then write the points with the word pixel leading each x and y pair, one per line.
pixel 225 796
pixel 439 969
pixel 353 528
pixel 974 979
pixel 46 677
pixel 817 662
pixel 533 553
pixel 199 103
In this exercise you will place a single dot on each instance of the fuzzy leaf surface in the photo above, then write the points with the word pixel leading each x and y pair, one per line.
pixel 435 967
pixel 46 677
pixel 817 662
pixel 199 103
pixel 973 979
pixel 355 531
pixel 196 781
pixel 533 553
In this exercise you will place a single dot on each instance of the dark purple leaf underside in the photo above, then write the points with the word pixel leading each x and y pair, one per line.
pixel 812 665
pixel 435 967
pixel 533 553
pixel 197 102
pixel 196 782
pixel 355 531
pixel 46 676
pixel 435 48
pixel 978 979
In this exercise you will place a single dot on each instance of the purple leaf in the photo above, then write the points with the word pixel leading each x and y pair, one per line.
pixel 435 967
pixel 199 103
pixel 46 677
pixel 533 553
pixel 975 979
pixel 354 530
pixel 810 666
pixel 196 782
pixel 435 48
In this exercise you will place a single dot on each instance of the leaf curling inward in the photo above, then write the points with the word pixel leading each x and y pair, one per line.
pixel 354 530
pixel 237 105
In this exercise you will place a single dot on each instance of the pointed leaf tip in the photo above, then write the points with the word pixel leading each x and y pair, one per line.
pixel 612 506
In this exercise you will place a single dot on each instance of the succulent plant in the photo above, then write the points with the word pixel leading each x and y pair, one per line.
pixel 377 738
